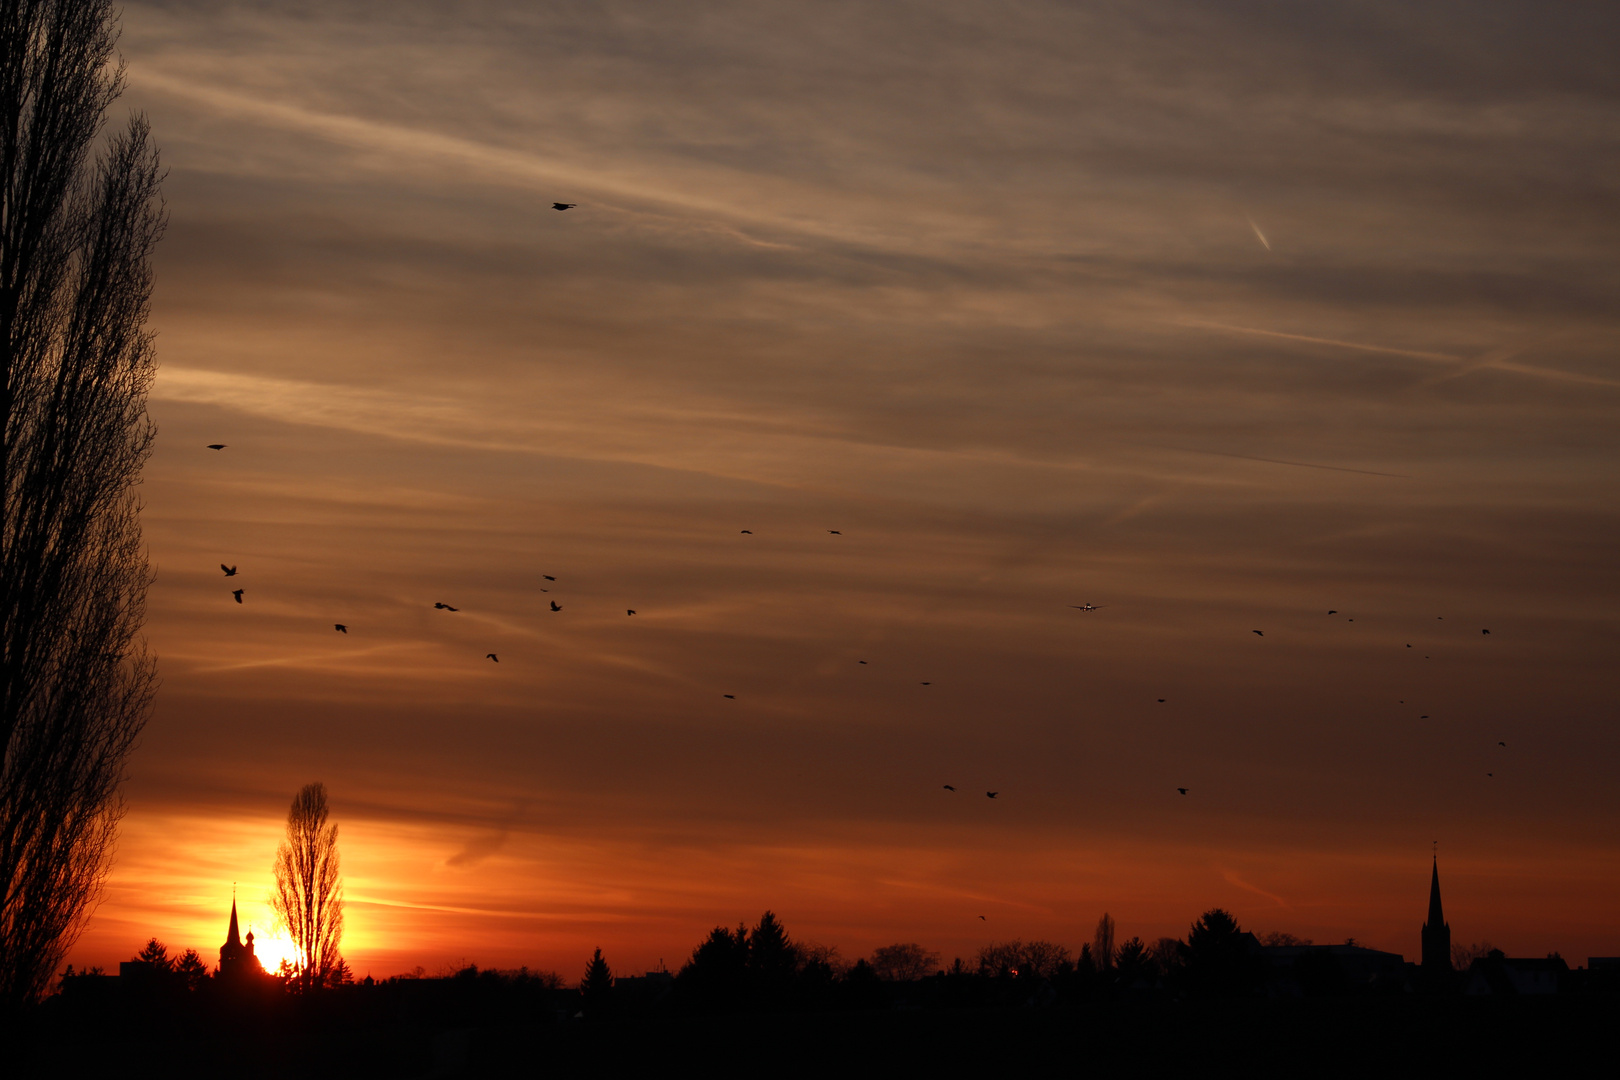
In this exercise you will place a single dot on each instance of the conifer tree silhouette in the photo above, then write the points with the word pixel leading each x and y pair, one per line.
pixel 596 988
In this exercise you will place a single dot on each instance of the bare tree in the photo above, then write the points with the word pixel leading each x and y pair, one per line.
pixel 1463 956
pixel 906 962
pixel 309 894
pixel 76 682
pixel 1040 959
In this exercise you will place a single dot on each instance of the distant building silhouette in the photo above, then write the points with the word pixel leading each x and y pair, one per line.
pixel 236 959
pixel 1495 973
pixel 1312 970
pixel 1436 932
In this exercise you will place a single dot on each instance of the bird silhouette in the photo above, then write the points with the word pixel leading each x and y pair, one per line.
pixel 340 628
pixel 556 606
pixel 1409 646
pixel 629 611
pixel 444 607
pixel 1260 633
pixel 747 532
pixel 1484 631
pixel 733 697
pixel 216 446
pixel 1182 790
pixel 238 594
pixel 564 205
pixel 1425 716
pixel 991 794
pixel 948 787
pixel 835 532
pixel 1161 701
pixel 1332 611
pixel 928 684
pixel 1503 744
pixel 1490 774
pixel 548 577
pixel 860 661
pixel 983 919
pixel 493 657
pixel 230 571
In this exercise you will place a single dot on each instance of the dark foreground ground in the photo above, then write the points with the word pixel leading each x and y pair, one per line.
pixel 1450 1036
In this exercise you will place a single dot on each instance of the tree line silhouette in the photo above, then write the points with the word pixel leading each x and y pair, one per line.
pixel 763 969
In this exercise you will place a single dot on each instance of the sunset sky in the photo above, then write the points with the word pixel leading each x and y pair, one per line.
pixel 1215 316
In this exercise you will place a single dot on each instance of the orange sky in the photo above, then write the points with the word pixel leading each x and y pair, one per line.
pixel 1216 317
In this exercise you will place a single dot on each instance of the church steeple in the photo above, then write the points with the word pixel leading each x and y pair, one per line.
pixel 1436 932
pixel 236 956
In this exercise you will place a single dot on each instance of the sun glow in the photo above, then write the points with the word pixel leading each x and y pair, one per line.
pixel 273 949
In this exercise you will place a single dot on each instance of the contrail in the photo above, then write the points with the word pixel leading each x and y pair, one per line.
pixel 1299 464
pixel 1260 234
pixel 1233 879
pixel 1414 353
pixel 1488 361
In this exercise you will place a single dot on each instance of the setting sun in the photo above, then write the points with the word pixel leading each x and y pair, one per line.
pixel 274 949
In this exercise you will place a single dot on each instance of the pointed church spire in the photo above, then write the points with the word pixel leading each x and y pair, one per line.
pixel 235 938
pixel 1436 934
pixel 1436 916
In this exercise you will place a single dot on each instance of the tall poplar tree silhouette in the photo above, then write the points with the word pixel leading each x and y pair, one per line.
pixel 76 233
pixel 309 894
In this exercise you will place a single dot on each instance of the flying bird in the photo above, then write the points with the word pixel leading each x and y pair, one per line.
pixel 747 532
pixel 860 661
pixel 556 606
pixel 1260 633
pixel 629 611
pixel 548 577
pixel 733 697
pixel 928 684
pixel 238 594
pixel 1490 774
pixel 835 532
pixel 1425 716
pixel 1503 744
pixel 948 787
pixel 991 794
pixel 1182 790
pixel 493 657
pixel 983 918
pixel 1332 611
pixel 340 628
pixel 1484 631
pixel 564 205
pixel 230 571
pixel 444 607
pixel 1161 701
pixel 216 446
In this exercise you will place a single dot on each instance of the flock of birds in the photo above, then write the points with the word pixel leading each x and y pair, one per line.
pixel 231 572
